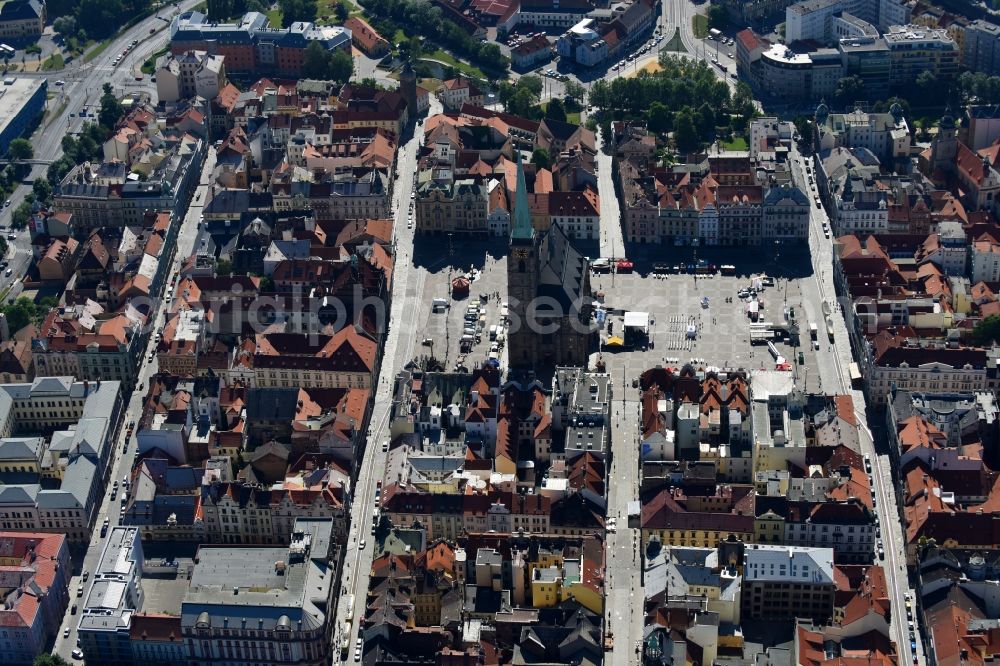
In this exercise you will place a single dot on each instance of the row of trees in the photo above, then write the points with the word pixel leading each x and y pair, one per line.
pixel 522 98
pixel 685 97
pixel 425 19
pixel 96 19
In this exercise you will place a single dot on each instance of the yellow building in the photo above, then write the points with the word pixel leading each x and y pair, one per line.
pixel 21 455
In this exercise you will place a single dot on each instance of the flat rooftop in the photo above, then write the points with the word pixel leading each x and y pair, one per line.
pixel 14 94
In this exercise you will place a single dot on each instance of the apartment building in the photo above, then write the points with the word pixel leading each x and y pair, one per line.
pixel 79 420
pixel 263 604
pixel 37 571
pixel 190 74
pixel 785 582
pixel 251 44
pixel 22 20
pixel 343 360
pixel 914 49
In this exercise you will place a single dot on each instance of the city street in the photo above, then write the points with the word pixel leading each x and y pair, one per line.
pixel 122 457
pixel 399 348
pixel 834 368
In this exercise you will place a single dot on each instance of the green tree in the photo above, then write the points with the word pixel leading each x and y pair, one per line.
pixel 315 62
pixel 20 313
pixel 849 89
pixel 341 66
pixel 19 218
pixel 533 84
pixel 717 17
pixel 658 118
pixel 42 189
pixel 340 12
pixel 927 83
pixel 705 121
pixel 575 91
pixel 685 131
pixel 555 110
pixel 65 26
pixel 987 330
pixel 522 103
pixel 297 10
pixel 20 149
pixel 50 660
pixel 111 109
pixel 804 126
pixel 540 158
pixel 223 267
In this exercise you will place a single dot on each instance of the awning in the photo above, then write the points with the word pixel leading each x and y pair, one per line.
pixel 615 341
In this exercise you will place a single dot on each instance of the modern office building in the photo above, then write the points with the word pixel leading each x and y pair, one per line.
pixel 114 595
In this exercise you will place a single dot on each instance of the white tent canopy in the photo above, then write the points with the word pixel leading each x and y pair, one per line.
pixel 639 320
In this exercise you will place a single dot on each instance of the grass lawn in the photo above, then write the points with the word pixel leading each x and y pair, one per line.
pixel 573 117
pixel 149 67
pixel 54 61
pixel 738 143
pixel 274 16
pixel 447 58
pixel 699 24
pixel 97 50
pixel 324 8
pixel 50 116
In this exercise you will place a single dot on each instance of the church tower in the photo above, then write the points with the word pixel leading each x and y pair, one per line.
pixel 944 146
pixel 522 276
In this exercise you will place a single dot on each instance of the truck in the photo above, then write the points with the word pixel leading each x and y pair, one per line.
pixel 813 330
pixel 829 328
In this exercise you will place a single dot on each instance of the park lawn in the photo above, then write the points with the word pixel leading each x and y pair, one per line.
pixel 449 59
pixel 274 17
pixel 54 61
pixel 325 8
pixel 573 117
pixel 738 143
pixel 699 24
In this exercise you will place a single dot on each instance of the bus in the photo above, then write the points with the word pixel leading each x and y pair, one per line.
pixel 345 640
pixel 349 600
pixel 7 51
pixel 855 373
pixel 714 33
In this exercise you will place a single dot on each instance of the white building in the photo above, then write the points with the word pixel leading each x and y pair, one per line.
pixel 114 595
pixel 810 19
pixel 985 259
pixel 766 134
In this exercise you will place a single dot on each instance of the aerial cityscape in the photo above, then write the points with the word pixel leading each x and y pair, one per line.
pixel 489 332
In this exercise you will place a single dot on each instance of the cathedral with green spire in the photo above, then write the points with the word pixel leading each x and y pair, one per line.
pixel 548 286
